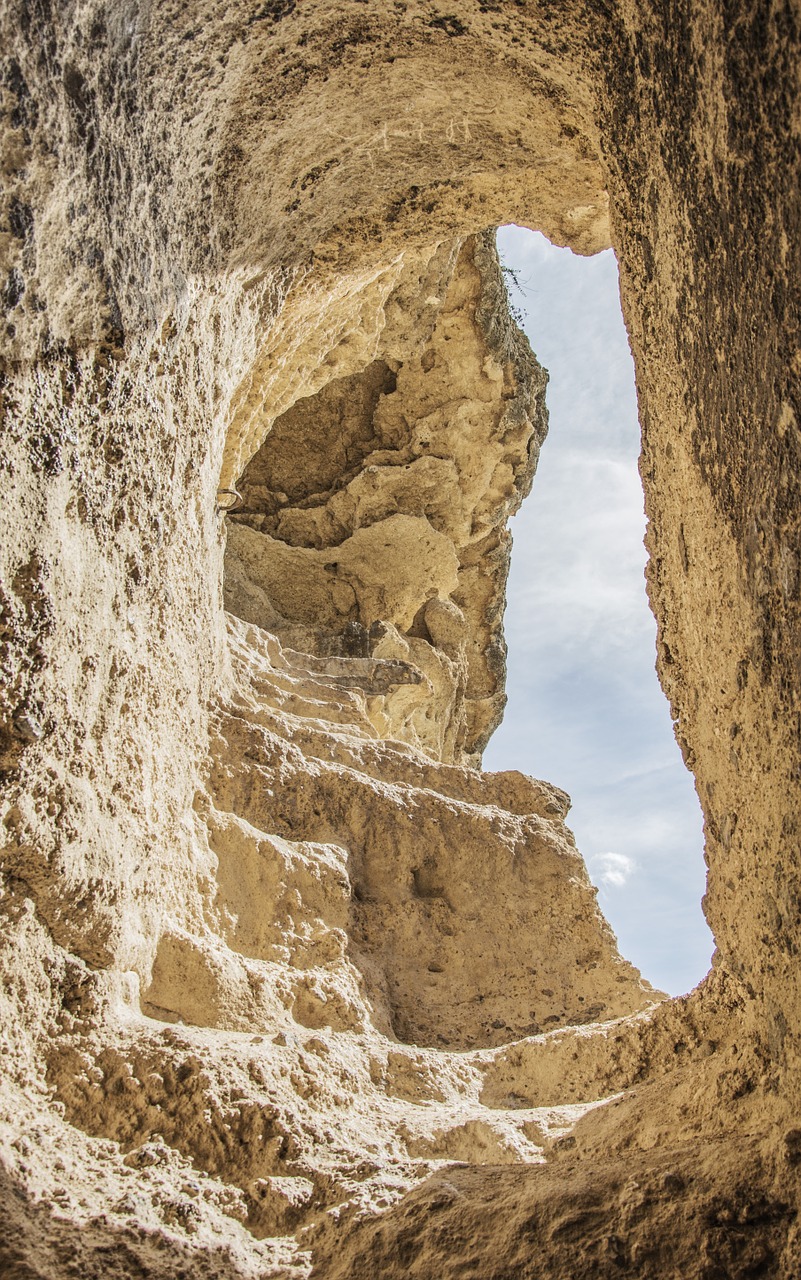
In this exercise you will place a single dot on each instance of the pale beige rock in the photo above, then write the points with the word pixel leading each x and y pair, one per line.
pixel 397 513
pixel 276 960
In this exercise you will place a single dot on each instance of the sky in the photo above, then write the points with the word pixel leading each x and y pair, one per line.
pixel 585 709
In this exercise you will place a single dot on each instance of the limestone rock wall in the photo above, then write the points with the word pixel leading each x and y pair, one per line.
pixel 373 517
pixel 708 244
pixel 272 951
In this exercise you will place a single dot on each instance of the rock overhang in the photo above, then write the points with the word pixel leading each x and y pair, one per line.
pixel 209 223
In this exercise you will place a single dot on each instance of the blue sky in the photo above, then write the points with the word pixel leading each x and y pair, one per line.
pixel 585 708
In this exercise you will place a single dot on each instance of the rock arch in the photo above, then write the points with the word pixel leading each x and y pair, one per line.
pixel 213 222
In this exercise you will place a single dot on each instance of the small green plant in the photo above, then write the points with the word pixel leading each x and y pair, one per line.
pixel 511 280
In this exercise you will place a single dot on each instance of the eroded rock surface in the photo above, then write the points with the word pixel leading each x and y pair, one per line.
pixel 277 960
pixel 326 1017
pixel 374 515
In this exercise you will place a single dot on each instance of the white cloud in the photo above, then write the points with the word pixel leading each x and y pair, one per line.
pixel 612 870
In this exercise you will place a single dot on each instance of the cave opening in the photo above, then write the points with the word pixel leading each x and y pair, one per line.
pixel 371 538
pixel 585 708
pixel 372 544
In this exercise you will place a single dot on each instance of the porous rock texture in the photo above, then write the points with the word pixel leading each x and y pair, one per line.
pixel 390 537
pixel 289 987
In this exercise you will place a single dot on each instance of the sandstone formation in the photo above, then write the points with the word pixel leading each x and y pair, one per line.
pixel 289 987
pixel 395 518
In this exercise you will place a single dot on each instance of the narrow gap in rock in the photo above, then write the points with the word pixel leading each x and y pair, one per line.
pixel 585 707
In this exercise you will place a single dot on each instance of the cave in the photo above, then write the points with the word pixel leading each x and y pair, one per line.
pixel 290 986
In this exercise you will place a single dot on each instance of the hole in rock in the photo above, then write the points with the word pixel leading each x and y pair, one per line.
pixel 585 708
pixel 371 544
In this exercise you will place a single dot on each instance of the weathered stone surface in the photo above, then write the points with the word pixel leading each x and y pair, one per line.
pixel 272 951
pixel 394 521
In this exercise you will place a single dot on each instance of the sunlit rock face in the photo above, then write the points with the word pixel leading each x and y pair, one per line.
pixel 276 956
pixel 373 519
